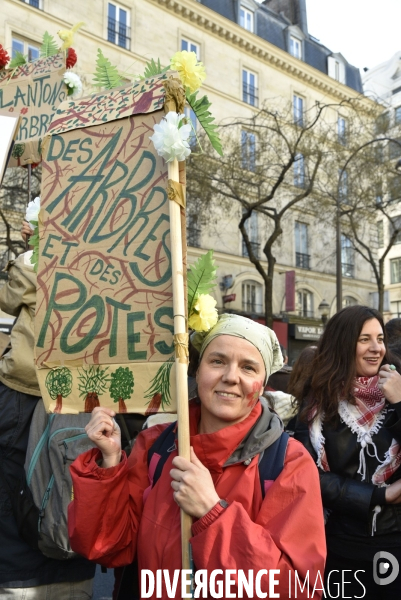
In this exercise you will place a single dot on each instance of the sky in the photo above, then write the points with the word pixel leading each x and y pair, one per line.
pixel 366 32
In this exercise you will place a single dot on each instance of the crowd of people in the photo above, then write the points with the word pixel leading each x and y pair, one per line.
pixel 293 508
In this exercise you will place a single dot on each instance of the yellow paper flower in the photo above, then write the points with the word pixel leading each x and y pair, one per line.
pixel 191 72
pixel 204 315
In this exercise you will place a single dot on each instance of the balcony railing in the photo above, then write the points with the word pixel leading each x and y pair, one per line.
pixel 252 307
pixel 302 260
pixel 306 313
pixel 348 269
pixel 255 249
pixel 193 237
pixel 250 94
pixel 118 33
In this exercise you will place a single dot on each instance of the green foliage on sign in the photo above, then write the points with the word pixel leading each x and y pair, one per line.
pixel 159 389
pixel 153 68
pixel 122 384
pixel 17 61
pixel 205 118
pixel 201 278
pixel 106 75
pixel 49 46
pixel 93 380
pixel 59 382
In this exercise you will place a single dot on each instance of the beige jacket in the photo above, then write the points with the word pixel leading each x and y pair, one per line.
pixel 18 298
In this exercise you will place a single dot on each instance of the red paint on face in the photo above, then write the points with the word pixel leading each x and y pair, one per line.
pixel 253 396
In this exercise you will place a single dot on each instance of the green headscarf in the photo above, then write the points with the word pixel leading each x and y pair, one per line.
pixel 263 338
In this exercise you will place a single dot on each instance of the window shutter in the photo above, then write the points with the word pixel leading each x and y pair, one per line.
pixel 331 66
pixel 342 72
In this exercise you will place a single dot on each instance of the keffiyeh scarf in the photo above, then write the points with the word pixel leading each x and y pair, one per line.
pixel 365 418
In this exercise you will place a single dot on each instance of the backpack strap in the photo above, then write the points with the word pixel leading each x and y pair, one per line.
pixel 271 462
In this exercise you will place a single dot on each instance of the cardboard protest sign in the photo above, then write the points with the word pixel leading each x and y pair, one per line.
pixel 104 319
pixel 33 91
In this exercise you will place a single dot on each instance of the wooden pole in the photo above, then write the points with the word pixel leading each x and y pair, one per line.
pixel 181 366
pixel 29 198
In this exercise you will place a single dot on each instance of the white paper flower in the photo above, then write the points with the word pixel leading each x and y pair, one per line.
pixel 170 140
pixel 32 212
pixel 74 84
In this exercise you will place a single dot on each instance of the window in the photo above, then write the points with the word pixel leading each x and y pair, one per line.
pixel 336 69
pixel 379 153
pixel 248 146
pixel 246 19
pixel 395 268
pixel 382 123
pixel 192 120
pixel 349 301
pixel 193 227
pixel 118 31
pixel 343 186
pixel 298 110
pixel 35 3
pixel 305 303
pixel 347 257
pixel 299 171
pixel 397 115
pixel 379 193
pixel 249 87
pixel 190 47
pixel 251 226
pixel 394 149
pixel 396 309
pixel 395 227
pixel 252 297
pixel 380 234
pixel 342 130
pixel 394 189
pixel 27 48
pixel 302 257
pixel 295 47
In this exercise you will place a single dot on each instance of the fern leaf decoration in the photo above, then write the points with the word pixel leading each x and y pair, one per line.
pixel 49 46
pixel 201 278
pixel 153 68
pixel 17 61
pixel 106 75
pixel 205 118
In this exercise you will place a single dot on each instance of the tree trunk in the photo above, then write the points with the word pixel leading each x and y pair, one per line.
pixel 380 287
pixel 154 405
pixel 121 406
pixel 91 401
pixel 59 403
pixel 269 302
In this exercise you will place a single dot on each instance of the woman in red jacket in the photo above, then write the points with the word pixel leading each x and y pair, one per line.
pixel 117 516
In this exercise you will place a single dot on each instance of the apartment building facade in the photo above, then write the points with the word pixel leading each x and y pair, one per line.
pixel 253 52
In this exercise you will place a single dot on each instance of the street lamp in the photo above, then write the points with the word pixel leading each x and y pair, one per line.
pixel 324 310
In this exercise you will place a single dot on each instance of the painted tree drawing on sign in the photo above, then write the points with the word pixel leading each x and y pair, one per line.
pixel 92 383
pixel 18 151
pixel 159 389
pixel 121 387
pixel 59 385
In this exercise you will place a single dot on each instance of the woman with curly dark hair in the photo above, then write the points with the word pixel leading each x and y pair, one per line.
pixel 350 421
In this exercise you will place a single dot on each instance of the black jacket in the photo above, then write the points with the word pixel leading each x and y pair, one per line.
pixel 350 500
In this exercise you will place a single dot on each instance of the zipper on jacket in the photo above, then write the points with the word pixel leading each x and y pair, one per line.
pixel 45 501
pixel 81 429
pixel 71 439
